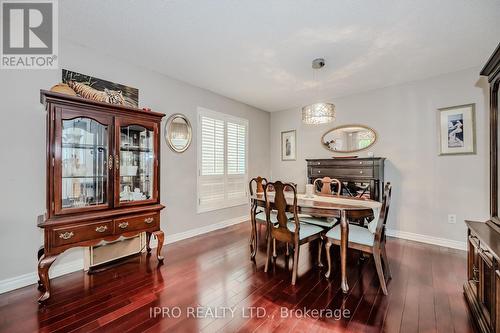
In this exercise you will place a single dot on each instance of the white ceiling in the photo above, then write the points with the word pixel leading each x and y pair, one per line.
pixel 259 52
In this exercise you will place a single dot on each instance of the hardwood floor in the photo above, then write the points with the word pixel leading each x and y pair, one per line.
pixel 213 272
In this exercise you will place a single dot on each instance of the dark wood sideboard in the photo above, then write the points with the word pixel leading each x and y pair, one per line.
pixel 482 288
pixel 360 177
pixel 103 177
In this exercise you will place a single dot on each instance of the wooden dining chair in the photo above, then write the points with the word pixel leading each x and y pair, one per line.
pixel 256 215
pixel 363 239
pixel 326 185
pixel 288 230
pixel 326 189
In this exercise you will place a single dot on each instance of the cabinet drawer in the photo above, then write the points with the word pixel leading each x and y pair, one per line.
pixel 137 222
pixel 340 172
pixel 79 233
pixel 342 163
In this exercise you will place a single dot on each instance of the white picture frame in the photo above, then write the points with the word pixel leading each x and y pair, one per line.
pixel 289 145
pixel 457 130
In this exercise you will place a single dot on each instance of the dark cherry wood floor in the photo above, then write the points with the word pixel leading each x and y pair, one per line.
pixel 214 271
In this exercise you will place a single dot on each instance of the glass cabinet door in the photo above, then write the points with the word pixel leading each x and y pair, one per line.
pixel 137 161
pixel 84 159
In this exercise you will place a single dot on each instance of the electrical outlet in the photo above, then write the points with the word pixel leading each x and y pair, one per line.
pixel 452 218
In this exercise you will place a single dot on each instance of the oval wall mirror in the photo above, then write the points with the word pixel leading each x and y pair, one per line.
pixel 178 132
pixel 348 138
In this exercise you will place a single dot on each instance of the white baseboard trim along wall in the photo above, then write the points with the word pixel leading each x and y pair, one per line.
pixel 427 239
pixel 76 265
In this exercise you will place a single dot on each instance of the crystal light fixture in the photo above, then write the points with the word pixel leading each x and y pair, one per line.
pixel 318 113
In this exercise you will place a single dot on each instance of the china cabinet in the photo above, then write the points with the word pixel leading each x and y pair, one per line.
pixel 102 177
pixel 482 288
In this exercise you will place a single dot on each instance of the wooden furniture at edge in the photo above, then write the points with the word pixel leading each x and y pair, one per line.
pixel 482 289
pixel 66 224
pixel 350 170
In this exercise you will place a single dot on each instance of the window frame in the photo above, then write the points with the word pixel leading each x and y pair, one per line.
pixel 226 203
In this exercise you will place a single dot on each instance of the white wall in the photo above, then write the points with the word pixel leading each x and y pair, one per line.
pixel 426 187
pixel 22 143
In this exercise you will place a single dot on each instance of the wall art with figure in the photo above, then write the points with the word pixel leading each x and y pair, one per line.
pixel 457 130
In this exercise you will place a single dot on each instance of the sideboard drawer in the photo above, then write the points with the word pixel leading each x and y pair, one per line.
pixel 79 233
pixel 137 222
pixel 340 162
pixel 340 172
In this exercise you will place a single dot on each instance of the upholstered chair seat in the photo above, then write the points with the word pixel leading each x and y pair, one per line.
pixel 305 229
pixel 318 221
pixel 357 234
pixel 261 216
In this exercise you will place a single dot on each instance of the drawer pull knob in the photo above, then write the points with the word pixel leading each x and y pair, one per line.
pixel 361 172
pixel 149 220
pixel 66 235
pixel 360 162
pixel 319 163
pixel 101 228
pixel 123 225
pixel 319 171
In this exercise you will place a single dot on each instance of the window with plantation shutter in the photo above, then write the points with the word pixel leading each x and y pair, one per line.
pixel 222 160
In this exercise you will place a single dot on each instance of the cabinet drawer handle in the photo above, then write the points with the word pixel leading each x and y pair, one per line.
pixel 149 220
pixel 319 163
pixel 123 225
pixel 361 172
pixel 101 228
pixel 360 162
pixel 319 171
pixel 66 235
pixel 117 162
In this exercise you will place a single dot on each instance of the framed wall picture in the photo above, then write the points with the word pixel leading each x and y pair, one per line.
pixel 288 146
pixel 457 130
pixel 94 88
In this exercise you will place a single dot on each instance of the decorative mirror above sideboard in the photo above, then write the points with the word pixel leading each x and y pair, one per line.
pixel 178 132
pixel 349 138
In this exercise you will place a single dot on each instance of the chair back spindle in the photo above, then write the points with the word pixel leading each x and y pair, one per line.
pixel 326 185
pixel 260 182
pixel 280 205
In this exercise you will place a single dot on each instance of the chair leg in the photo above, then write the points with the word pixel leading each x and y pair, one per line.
pixel 328 258
pixel 380 271
pixel 274 248
pixel 268 253
pixel 287 249
pixel 386 262
pixel 320 247
pixel 295 263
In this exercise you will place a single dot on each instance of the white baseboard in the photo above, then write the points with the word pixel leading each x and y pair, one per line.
pixel 427 239
pixel 24 280
pixel 203 230
pixel 27 279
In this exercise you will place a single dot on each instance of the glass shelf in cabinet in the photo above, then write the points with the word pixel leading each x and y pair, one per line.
pixel 84 146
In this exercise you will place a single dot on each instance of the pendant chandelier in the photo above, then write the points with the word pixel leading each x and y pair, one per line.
pixel 318 113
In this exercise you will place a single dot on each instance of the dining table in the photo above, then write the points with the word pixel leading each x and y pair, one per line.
pixel 345 208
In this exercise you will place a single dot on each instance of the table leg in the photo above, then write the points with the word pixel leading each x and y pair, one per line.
pixel 344 237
